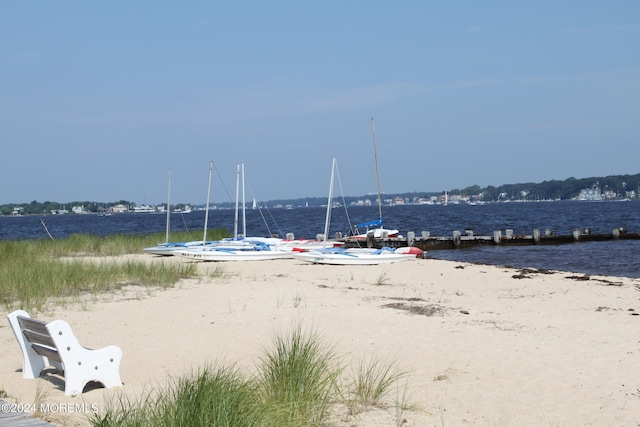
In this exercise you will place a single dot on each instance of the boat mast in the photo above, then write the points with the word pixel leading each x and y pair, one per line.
pixel 168 208
pixel 244 217
pixel 329 202
pixel 375 157
pixel 206 215
pixel 235 221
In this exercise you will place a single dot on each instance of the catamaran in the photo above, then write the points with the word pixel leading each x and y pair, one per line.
pixel 238 248
pixel 167 248
pixel 373 229
pixel 334 254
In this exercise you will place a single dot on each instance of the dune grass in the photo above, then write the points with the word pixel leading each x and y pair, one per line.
pixel 34 271
pixel 298 379
pixel 373 380
pixel 296 384
pixel 211 396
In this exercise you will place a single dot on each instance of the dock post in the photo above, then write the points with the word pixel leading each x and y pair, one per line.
pixel 536 236
pixel 370 239
pixel 411 238
pixel 497 237
pixel 426 234
pixel 509 233
pixel 615 233
pixel 576 235
pixel 456 238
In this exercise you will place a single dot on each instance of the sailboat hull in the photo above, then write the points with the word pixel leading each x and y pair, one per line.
pixel 219 254
pixel 353 257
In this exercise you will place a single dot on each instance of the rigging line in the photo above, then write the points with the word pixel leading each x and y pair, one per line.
pixel 222 182
pixel 253 196
pixel 344 203
pixel 186 227
pixel 172 187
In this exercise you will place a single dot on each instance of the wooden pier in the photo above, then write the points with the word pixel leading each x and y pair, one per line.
pixel 459 240
pixel 12 415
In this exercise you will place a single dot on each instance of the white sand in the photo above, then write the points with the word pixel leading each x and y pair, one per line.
pixel 540 350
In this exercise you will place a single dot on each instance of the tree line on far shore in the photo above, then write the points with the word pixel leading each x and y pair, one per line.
pixel 610 187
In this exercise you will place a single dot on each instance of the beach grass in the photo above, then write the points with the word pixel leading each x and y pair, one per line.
pixel 297 382
pixel 211 396
pixel 373 380
pixel 32 272
pixel 298 379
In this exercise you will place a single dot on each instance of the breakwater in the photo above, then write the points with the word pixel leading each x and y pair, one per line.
pixel 459 240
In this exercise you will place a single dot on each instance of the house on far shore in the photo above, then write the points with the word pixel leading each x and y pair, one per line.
pixel 119 209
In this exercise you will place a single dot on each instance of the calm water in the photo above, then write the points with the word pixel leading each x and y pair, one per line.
pixel 613 258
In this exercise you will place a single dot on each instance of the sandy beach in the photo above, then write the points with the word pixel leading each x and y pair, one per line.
pixel 483 345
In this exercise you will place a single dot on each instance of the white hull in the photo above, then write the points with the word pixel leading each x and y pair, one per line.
pixel 220 254
pixel 168 249
pixel 352 257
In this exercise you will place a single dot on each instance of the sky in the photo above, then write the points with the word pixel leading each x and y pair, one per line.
pixel 99 100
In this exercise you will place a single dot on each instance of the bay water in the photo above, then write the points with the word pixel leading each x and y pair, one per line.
pixel 611 258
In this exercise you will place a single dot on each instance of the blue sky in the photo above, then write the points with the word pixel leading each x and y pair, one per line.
pixel 99 99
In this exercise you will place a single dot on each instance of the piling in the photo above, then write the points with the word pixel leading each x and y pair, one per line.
pixel 456 238
pixel 411 238
pixel 536 236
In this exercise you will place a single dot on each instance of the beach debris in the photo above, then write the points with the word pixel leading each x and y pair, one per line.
pixel 424 310
pixel 580 278
pixel 525 273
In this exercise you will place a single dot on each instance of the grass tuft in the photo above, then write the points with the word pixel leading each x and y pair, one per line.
pixel 298 379
pixel 34 271
pixel 373 380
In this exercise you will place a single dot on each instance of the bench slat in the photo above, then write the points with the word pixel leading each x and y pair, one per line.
pixel 33 325
pixel 49 353
pixel 38 338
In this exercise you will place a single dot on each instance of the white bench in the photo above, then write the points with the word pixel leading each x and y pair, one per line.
pixel 54 344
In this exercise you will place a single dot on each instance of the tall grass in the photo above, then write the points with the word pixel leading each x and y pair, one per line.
pixel 212 396
pixel 296 384
pixel 299 379
pixel 373 380
pixel 34 271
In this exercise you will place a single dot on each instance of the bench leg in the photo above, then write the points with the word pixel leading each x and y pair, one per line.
pixel 82 365
pixel 101 365
pixel 32 362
